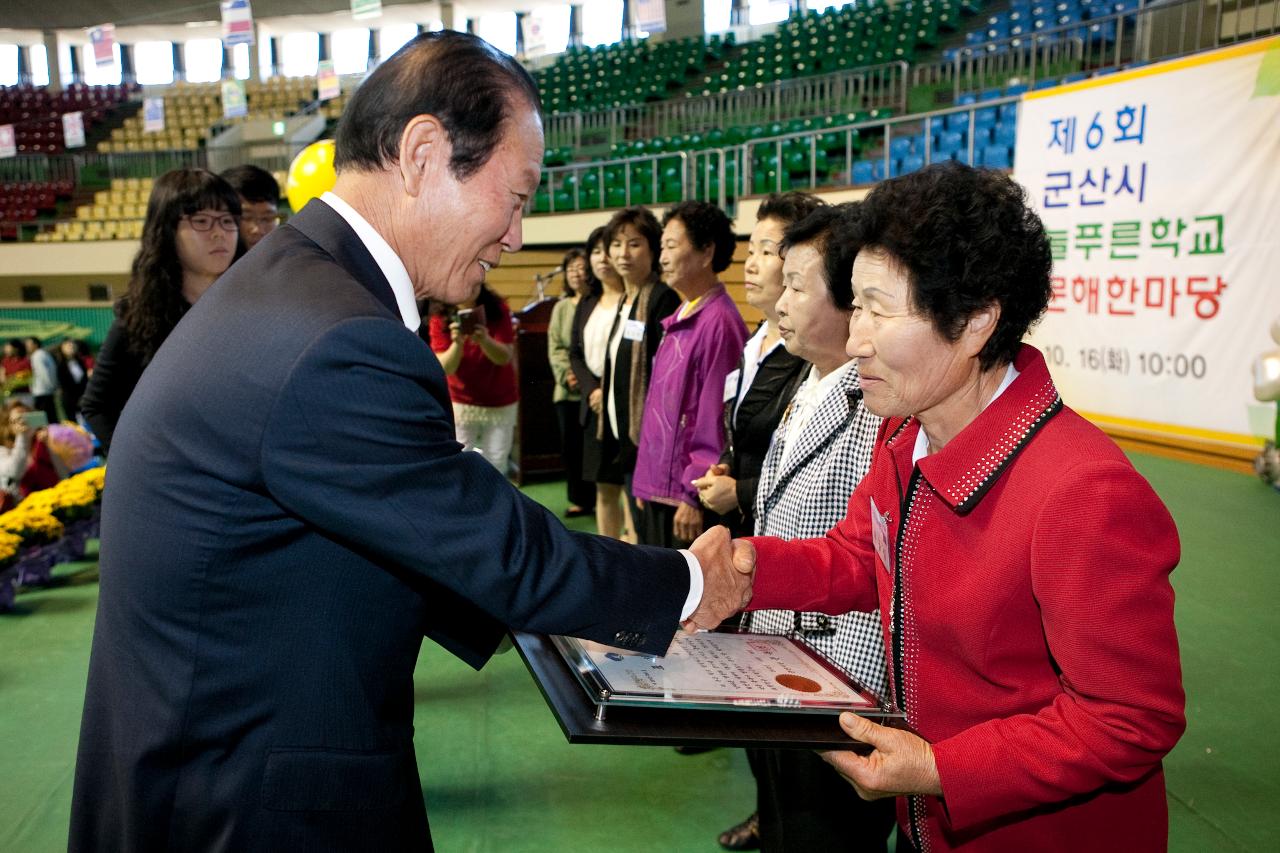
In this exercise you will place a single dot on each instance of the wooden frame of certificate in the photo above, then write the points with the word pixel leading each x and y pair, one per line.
pixel 720 689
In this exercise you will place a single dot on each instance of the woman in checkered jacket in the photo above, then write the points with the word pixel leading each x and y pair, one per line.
pixel 820 451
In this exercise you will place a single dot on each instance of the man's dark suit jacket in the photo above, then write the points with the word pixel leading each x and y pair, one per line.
pixel 286 515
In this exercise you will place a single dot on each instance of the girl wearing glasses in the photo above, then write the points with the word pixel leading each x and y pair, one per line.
pixel 191 236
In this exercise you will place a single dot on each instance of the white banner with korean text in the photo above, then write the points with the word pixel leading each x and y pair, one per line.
pixel 1160 189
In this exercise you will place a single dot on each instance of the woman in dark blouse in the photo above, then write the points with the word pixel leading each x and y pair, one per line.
pixel 191 236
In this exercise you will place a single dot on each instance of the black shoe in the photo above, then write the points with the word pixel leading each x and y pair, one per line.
pixel 744 836
pixel 693 750
pixel 578 512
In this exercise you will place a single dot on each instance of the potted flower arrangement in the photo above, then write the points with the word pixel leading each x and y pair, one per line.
pixel 9 547
pixel 48 527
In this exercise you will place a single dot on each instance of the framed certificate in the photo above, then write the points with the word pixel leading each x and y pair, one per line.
pixel 724 670
pixel 710 689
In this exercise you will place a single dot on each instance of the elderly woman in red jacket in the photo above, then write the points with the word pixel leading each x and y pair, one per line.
pixel 1020 563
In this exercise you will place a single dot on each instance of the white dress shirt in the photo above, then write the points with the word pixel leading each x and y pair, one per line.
pixel 385 257
pixel 753 355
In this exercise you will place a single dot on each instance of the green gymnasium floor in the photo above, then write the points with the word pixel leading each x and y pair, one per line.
pixel 498 775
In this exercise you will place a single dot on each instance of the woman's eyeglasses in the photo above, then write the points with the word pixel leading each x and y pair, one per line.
pixel 205 222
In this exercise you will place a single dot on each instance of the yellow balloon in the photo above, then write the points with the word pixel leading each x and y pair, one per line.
pixel 310 174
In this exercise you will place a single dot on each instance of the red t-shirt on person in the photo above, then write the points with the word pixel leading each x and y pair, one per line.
pixel 478 381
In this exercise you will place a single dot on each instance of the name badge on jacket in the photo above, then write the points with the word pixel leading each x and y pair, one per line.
pixel 633 330
pixel 731 385
pixel 880 536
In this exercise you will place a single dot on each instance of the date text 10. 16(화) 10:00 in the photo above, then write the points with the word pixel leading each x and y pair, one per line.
pixel 1104 359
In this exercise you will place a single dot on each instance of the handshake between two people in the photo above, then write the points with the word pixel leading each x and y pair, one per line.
pixel 728 569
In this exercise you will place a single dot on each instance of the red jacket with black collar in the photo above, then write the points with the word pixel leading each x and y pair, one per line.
pixel 1028 622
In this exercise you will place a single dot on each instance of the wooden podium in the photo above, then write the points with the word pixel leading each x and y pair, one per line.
pixel 537 441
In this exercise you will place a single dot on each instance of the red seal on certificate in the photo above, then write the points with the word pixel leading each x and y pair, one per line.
pixel 798 682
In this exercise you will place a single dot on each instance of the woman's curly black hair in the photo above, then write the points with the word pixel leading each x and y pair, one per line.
pixel 965 238
pixel 154 303
pixel 706 225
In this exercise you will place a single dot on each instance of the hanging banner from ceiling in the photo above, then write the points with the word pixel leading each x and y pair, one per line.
pixel 535 37
pixel 365 9
pixel 1160 190
pixel 650 16
pixel 327 84
pixel 73 129
pixel 237 22
pixel 152 115
pixel 103 39
pixel 234 102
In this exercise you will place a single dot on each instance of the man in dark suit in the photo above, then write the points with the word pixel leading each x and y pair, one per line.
pixel 288 513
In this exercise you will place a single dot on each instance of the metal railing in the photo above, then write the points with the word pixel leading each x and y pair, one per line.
pixel 644 179
pixel 38 168
pixel 275 156
pixel 1152 32
pixel 272 156
pixel 839 92
pixel 706 174
pixel 880 132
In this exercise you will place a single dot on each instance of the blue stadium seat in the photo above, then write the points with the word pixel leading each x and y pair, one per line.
pixel 900 146
pixel 948 141
pixel 908 164
pixel 985 117
pixel 957 121
pixel 996 157
pixel 1104 33
pixel 966 98
pixel 1005 134
pixel 863 172
pixel 1007 112
pixel 1015 89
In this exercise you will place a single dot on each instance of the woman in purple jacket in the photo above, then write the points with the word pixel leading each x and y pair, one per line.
pixel 682 432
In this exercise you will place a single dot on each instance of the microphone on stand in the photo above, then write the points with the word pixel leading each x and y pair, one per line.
pixel 540 282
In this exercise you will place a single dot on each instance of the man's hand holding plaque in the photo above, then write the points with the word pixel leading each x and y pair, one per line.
pixel 728 567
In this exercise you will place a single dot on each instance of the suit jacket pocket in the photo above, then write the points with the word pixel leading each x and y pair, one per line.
pixel 328 780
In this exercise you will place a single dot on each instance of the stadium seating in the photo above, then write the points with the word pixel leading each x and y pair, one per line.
pixel 192 110
pixel 29 201
pixel 1026 19
pixel 115 214
pixel 855 36
pixel 625 73
pixel 36 112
